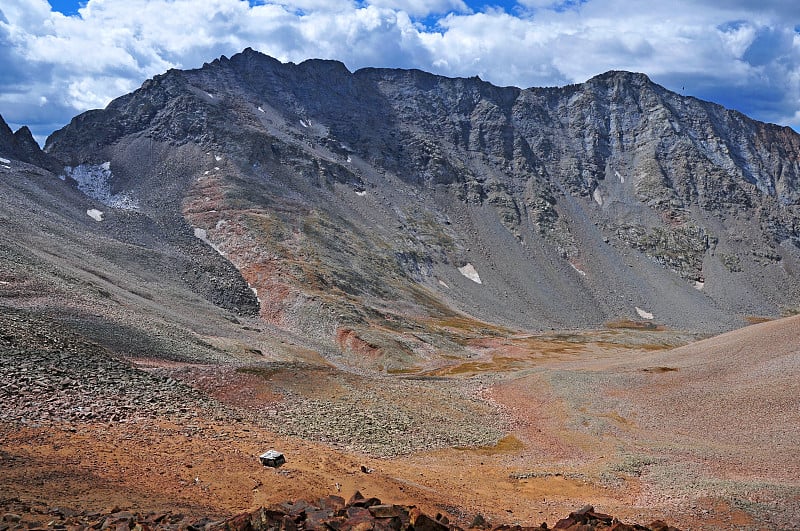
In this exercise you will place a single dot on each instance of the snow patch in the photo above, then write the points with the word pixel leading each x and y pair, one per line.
pixel 362 193
pixel 305 123
pixel 699 285
pixel 95 214
pixel 255 292
pixel 349 159
pixel 94 180
pixel 6 166
pixel 443 283
pixel 469 272
pixel 216 168
pixel 643 314
pixel 582 273
pixel 5 161
pixel 217 158
pixel 620 177
pixel 261 110
pixel 202 234
pixel 597 197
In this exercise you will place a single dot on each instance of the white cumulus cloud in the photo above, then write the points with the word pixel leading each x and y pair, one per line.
pixel 740 53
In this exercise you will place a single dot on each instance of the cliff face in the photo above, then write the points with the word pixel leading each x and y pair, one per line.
pixel 20 145
pixel 366 209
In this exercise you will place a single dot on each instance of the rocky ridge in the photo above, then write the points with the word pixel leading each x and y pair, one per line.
pixel 337 194
pixel 20 145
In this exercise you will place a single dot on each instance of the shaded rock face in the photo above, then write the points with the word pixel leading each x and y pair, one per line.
pixel 20 145
pixel 349 201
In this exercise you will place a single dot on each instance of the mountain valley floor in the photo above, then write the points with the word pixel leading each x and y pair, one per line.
pixel 531 428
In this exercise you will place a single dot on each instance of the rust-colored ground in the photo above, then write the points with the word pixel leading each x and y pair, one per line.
pixel 703 436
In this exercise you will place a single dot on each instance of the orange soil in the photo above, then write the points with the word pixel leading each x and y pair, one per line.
pixel 544 468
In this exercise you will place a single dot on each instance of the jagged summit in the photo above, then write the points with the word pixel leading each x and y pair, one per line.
pixel 573 206
pixel 623 76
pixel 20 145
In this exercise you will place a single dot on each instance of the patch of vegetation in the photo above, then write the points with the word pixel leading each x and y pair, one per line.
pixel 634 325
pixel 634 465
pixel 544 475
pixel 659 369
pixel 766 257
pixel 263 372
pixel 731 262
pixel 755 319
pixel 508 444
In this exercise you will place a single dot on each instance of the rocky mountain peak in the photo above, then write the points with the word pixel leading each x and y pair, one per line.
pixel 6 137
pixel 21 145
pixel 388 263
pixel 594 200
pixel 621 77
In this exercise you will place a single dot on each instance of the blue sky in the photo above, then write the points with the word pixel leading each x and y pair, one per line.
pixel 60 58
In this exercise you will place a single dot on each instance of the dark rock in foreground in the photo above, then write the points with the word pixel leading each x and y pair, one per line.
pixel 326 514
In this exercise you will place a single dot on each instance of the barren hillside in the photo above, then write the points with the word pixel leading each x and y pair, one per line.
pixel 474 299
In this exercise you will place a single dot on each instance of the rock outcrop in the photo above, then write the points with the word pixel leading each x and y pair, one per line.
pixel 370 513
pixel 353 202
pixel 21 145
pixel 330 513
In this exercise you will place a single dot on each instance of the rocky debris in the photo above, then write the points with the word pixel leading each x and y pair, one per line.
pixel 385 428
pixel 331 513
pixel 587 518
pixel 41 388
pixel 38 517
pixel 380 415
pixel 48 376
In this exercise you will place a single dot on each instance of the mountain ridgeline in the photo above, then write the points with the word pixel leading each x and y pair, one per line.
pixel 376 212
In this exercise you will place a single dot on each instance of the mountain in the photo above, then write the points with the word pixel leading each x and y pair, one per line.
pixel 362 271
pixel 20 145
pixel 387 214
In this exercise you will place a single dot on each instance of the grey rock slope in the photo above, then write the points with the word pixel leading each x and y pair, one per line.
pixel 363 207
pixel 118 277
